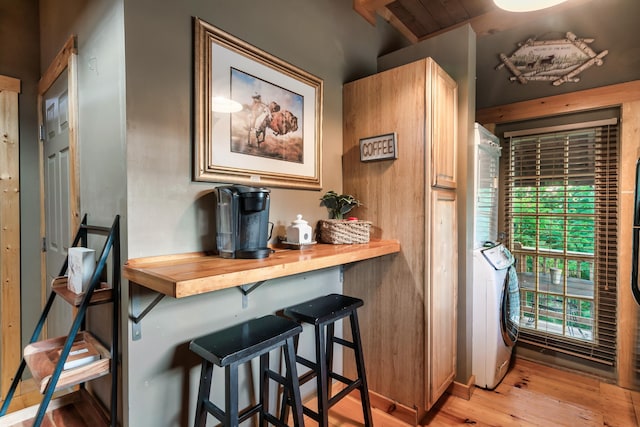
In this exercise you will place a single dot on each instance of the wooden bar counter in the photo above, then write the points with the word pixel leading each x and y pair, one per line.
pixel 183 275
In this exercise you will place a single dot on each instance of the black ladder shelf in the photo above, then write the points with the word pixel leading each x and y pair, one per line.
pixel 93 296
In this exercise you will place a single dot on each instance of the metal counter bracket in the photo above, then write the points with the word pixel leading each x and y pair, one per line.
pixel 136 327
pixel 246 290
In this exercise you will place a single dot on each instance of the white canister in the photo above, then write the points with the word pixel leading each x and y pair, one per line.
pixel 299 231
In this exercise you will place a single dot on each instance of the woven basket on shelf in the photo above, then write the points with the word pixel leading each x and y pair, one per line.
pixel 337 231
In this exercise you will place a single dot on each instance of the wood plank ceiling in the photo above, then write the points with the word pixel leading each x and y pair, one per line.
pixel 418 20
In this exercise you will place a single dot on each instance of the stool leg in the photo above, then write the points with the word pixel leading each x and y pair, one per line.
pixel 364 390
pixel 329 351
pixel 321 378
pixel 231 396
pixel 203 393
pixel 286 393
pixel 292 389
pixel 264 388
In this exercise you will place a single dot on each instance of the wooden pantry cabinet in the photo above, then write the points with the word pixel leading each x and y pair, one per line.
pixel 408 322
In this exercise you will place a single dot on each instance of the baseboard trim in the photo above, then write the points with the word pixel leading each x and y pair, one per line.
pixel 463 391
pixel 395 409
pixel 384 404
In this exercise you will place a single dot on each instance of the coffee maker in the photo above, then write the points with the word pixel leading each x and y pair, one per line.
pixel 242 221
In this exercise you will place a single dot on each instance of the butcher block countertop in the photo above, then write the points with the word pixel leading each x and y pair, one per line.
pixel 183 275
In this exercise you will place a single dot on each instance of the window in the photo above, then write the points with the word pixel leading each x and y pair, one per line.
pixel 561 200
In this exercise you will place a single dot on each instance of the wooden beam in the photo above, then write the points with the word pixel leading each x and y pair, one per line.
pixel 10 84
pixel 388 16
pixel 590 99
pixel 368 8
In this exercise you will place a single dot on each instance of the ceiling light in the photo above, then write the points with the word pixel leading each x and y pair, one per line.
pixel 525 5
pixel 225 105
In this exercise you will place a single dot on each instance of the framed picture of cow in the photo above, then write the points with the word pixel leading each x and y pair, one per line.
pixel 258 119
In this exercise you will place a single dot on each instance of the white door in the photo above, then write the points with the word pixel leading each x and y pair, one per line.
pixel 56 175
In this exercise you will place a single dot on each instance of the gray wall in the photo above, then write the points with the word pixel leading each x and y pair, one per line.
pixel 168 213
pixel 325 38
pixel 460 64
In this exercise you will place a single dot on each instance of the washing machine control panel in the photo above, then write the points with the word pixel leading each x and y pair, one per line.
pixel 498 256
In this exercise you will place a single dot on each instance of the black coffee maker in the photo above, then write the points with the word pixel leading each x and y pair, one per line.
pixel 242 221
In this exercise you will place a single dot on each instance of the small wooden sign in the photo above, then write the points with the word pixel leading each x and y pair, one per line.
pixel 382 147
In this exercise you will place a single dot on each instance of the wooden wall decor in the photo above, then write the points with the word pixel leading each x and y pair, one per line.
pixel 557 61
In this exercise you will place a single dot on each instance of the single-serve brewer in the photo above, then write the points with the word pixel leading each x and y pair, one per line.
pixel 242 221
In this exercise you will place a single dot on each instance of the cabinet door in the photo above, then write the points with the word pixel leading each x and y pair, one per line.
pixel 443 124
pixel 442 295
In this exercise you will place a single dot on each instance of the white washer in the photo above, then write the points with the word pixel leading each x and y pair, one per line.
pixel 496 313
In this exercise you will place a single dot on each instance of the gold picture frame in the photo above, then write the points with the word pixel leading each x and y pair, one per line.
pixel 258 119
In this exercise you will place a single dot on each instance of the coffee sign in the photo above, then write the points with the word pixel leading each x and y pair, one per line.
pixel 382 147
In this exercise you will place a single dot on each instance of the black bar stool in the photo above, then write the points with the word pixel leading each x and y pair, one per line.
pixel 236 345
pixel 323 312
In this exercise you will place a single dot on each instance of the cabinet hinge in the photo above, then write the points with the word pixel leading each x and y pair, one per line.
pixel 44 244
pixel 41 132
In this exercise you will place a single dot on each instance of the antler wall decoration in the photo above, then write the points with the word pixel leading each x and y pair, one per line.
pixel 558 61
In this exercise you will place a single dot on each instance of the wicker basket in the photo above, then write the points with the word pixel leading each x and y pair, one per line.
pixel 337 231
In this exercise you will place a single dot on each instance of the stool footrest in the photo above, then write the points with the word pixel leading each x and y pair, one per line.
pixel 344 343
pixel 342 393
pixel 306 377
pixel 243 415
pixel 247 413
pixel 275 421
pixel 211 408
pixel 343 380
pixel 277 377
pixel 311 413
pixel 306 362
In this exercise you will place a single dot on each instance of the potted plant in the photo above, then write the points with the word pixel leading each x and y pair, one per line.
pixel 338 204
pixel 337 230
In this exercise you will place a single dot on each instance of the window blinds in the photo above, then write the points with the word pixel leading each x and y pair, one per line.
pixel 561 213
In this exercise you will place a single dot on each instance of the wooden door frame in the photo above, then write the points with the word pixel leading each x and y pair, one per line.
pixel 627 97
pixel 10 345
pixel 66 59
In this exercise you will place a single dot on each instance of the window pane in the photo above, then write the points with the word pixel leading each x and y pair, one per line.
pixel 561 214
pixel 552 233
pixel 524 230
pixel 550 313
pixel 580 234
pixel 527 309
pixel 551 200
pixel 579 319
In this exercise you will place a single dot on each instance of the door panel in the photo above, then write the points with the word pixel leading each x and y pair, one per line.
pixel 56 188
pixel 442 294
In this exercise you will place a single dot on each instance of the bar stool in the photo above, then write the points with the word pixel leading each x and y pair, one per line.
pixel 236 345
pixel 323 312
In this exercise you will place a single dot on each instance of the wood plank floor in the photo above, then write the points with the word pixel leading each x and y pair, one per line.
pixel 67 409
pixel 530 395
